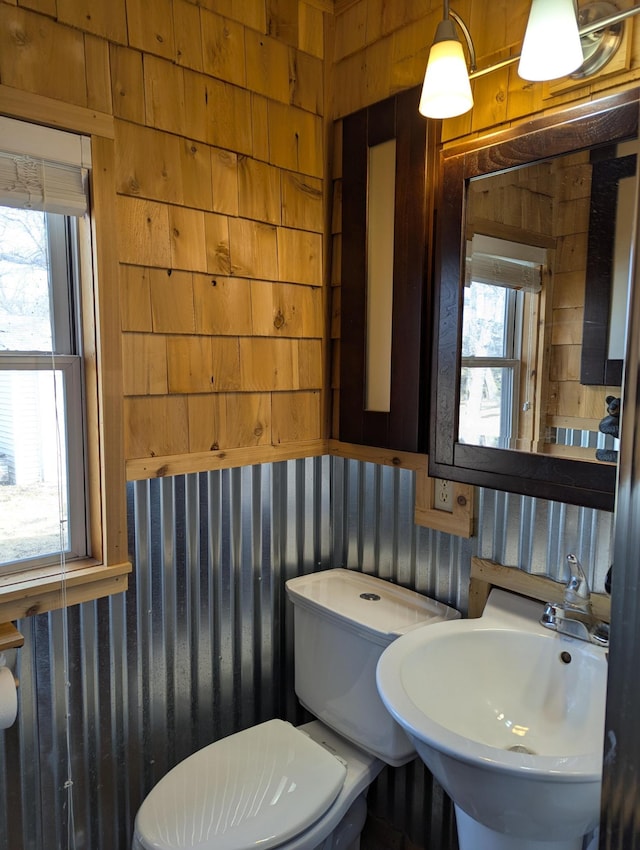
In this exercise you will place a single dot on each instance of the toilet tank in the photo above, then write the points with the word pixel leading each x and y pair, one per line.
pixel 343 620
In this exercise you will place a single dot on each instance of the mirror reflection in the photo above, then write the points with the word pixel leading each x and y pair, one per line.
pixel 546 271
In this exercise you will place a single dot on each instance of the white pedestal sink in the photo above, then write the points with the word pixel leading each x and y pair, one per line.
pixel 509 717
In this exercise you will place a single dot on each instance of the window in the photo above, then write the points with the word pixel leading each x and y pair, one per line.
pixel 502 284
pixel 42 434
pixel 62 486
pixel 492 343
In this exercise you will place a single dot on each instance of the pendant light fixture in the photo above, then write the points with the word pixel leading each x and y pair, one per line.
pixel 446 90
pixel 551 47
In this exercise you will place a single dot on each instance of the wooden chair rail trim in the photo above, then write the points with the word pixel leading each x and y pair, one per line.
pixel 138 469
pixel 487 574
pixel 371 454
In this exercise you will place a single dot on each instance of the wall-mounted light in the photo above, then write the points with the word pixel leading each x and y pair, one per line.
pixel 446 90
pixel 551 46
pixel 560 40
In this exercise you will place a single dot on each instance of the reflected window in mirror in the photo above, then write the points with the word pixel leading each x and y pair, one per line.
pixel 525 310
pixel 503 281
pixel 491 351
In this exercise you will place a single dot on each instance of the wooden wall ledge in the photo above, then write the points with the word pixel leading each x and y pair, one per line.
pixel 10 637
pixel 487 574
pixel 371 454
pixel 138 469
pixel 158 467
pixel 36 591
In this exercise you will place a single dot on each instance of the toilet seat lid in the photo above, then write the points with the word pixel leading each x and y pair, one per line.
pixel 258 787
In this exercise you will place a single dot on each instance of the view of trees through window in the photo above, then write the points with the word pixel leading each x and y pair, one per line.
pixel 487 374
pixel 31 499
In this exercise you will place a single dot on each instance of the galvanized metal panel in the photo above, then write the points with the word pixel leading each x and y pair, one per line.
pixel 202 643
pixel 536 536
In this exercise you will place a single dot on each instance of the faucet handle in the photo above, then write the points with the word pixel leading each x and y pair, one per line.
pixel 576 592
pixel 599 634
pixel 607 580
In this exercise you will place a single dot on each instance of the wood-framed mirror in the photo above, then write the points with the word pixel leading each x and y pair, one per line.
pixel 514 226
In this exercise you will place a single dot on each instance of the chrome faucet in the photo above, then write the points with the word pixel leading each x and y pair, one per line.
pixel 576 593
pixel 573 616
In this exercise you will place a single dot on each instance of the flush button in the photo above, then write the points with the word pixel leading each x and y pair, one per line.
pixel 370 597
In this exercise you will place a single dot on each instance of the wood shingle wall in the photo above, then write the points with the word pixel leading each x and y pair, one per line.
pixel 223 109
pixel 220 165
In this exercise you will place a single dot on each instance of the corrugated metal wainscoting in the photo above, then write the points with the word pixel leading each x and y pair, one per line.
pixel 201 645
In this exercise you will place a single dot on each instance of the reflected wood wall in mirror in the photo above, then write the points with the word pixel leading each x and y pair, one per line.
pixel 514 273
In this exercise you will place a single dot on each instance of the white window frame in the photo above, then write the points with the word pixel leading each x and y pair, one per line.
pixel 64 287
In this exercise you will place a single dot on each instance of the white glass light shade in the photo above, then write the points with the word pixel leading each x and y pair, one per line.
pixel 446 90
pixel 551 46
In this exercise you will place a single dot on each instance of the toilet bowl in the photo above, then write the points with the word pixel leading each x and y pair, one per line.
pixel 300 788
pixel 314 782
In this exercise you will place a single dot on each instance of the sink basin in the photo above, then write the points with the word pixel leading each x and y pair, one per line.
pixel 509 717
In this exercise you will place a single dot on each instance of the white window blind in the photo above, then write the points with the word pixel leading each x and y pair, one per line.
pixel 498 262
pixel 43 169
pixel 500 271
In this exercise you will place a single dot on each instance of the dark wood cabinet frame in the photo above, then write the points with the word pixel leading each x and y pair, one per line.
pixel 603 122
pixel 403 428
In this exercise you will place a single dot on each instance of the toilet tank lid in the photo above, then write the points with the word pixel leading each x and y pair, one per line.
pixel 376 607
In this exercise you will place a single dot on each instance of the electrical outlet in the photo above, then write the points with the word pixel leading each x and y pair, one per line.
pixel 443 493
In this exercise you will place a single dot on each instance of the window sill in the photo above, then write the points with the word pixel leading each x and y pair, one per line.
pixel 10 637
pixel 36 591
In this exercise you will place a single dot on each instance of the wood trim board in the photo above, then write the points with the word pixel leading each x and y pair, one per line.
pixel 487 574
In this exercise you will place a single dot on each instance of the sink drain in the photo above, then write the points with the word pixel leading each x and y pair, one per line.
pixel 518 748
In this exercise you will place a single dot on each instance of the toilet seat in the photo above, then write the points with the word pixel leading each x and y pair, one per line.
pixel 262 786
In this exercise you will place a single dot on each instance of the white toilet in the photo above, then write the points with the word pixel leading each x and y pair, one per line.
pixel 278 786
